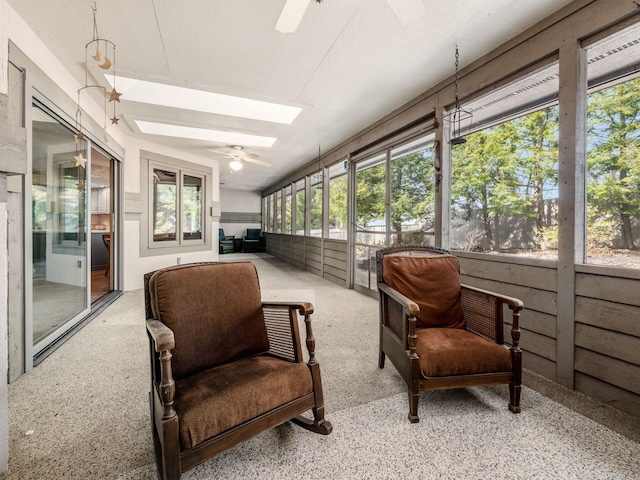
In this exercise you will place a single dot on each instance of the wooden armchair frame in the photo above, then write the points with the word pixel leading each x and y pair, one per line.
pixel 281 320
pixel 483 311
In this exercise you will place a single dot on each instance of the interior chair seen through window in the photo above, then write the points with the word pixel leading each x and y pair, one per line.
pixel 441 334
pixel 226 242
pixel 251 241
pixel 224 365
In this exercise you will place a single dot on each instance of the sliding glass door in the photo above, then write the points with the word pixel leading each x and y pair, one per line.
pixel 59 273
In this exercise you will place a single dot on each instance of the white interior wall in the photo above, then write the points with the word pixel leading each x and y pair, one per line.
pixel 239 201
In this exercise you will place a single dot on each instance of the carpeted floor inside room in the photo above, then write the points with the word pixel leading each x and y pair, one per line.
pixel 86 409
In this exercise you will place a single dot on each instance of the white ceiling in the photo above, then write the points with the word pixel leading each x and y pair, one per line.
pixel 349 63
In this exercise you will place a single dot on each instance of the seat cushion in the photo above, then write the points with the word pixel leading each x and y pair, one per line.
pixel 214 311
pixel 210 402
pixel 451 351
pixel 432 282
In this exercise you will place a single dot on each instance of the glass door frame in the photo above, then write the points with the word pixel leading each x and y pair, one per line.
pixel 33 349
pixel 34 96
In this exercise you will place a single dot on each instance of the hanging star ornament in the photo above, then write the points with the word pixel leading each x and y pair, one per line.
pixel 80 185
pixel 79 136
pixel 79 161
pixel 114 96
pixel 115 120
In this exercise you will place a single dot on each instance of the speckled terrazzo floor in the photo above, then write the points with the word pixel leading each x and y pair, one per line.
pixel 87 407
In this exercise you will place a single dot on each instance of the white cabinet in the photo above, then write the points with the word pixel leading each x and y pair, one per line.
pixel 100 200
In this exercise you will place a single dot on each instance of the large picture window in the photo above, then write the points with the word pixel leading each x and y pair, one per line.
pixel 613 151
pixel 504 178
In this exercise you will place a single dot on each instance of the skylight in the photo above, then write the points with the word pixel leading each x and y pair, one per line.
pixel 189 99
pixel 218 136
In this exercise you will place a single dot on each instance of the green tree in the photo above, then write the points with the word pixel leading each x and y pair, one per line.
pixel 412 191
pixel 338 203
pixel 484 177
pixel 536 143
pixel 613 186
pixel 370 195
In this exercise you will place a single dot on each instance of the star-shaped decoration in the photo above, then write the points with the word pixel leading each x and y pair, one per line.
pixel 79 161
pixel 80 185
pixel 114 96
pixel 115 120
pixel 79 136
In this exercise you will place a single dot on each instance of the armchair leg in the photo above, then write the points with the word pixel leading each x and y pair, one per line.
pixel 317 426
pixel 514 397
pixel 413 406
pixel 381 358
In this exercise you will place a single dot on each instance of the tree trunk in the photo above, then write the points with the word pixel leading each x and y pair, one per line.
pixel 486 219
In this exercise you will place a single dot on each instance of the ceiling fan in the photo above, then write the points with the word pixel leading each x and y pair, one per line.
pixel 238 156
pixel 293 10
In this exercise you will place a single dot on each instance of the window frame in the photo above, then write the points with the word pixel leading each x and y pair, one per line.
pixel 150 247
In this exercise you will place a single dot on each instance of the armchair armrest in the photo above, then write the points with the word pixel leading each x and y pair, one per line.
pixel 161 335
pixel 484 314
pixel 281 320
pixel 411 308
pixel 163 342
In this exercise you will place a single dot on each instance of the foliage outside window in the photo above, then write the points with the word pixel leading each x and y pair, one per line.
pixel 504 187
pixel 412 193
pixel 370 201
pixel 277 225
pixel 301 206
pixel 287 210
pixel 315 205
pixel 338 201
pixel 177 203
pixel 265 216
pixel 613 175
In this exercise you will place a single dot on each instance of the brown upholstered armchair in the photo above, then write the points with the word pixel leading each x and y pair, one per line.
pixel 224 366
pixel 441 334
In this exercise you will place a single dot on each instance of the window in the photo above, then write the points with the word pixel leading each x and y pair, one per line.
pixel 315 205
pixel 277 226
pixel 301 206
pixel 413 193
pixel 265 214
pixel 338 201
pixel 613 151
pixel 176 205
pixel 504 189
pixel 165 205
pixel 287 210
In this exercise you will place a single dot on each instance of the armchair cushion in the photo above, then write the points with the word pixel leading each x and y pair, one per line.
pixel 213 401
pixel 432 281
pixel 195 309
pixel 451 351
pixel 253 234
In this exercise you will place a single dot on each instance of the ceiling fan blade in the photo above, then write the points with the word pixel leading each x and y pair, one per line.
pixel 406 10
pixel 226 154
pixel 257 162
pixel 291 15
pixel 252 155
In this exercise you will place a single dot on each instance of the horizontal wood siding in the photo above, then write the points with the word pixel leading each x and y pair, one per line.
pixel 607 337
pixel 297 251
pixel 285 248
pixel 533 282
pixel 335 261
